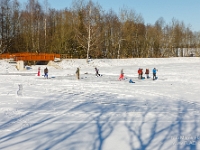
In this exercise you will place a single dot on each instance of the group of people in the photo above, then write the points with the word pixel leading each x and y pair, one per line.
pixel 45 72
pixel 140 73
pixel 121 77
pixel 78 73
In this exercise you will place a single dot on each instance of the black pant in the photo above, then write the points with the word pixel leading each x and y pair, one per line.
pixel 154 76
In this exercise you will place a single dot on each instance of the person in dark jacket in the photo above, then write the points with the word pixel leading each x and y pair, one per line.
pixel 78 73
pixel 46 73
pixel 97 72
pixel 147 73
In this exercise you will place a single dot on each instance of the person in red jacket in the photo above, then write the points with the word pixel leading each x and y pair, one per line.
pixel 121 77
pixel 140 73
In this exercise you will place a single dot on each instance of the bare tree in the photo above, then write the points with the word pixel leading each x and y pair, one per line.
pixel 87 32
pixel 6 26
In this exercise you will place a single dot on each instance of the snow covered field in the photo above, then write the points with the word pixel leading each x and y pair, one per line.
pixel 101 113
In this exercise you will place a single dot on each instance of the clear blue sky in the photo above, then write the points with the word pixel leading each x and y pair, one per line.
pixel 187 11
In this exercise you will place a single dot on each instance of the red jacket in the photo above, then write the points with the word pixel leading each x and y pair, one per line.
pixel 140 72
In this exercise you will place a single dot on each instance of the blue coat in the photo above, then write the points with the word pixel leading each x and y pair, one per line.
pixel 154 70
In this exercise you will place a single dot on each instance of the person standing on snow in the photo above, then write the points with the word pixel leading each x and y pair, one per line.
pixel 140 73
pixel 154 73
pixel 147 73
pixel 78 73
pixel 38 71
pixel 97 72
pixel 46 72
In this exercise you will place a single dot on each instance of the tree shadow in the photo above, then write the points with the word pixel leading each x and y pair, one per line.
pixel 68 122
pixel 173 127
pixel 49 129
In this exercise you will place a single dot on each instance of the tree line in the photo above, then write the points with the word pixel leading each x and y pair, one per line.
pixel 86 30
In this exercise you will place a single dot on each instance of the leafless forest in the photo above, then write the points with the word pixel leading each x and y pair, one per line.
pixel 85 30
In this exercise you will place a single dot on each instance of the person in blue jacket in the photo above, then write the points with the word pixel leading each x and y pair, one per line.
pixel 154 73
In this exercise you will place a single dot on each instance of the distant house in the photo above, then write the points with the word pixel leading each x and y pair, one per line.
pixel 188 52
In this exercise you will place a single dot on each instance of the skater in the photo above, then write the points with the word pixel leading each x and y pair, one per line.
pixel 97 72
pixel 46 73
pixel 78 73
pixel 121 77
pixel 147 73
pixel 154 73
pixel 140 73
pixel 38 71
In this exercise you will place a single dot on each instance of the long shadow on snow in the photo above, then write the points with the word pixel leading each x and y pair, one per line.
pixel 23 128
pixel 49 139
pixel 97 126
pixel 177 129
pixel 146 129
pixel 21 125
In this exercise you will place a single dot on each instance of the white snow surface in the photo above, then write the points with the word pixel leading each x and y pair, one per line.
pixel 101 113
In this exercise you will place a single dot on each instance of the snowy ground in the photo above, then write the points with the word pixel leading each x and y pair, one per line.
pixel 101 112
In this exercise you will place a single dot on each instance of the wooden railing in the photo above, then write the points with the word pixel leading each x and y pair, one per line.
pixel 30 56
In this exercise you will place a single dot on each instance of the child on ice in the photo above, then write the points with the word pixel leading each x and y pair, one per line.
pixel 121 77
pixel 140 73
pixel 97 72
pixel 147 73
pixel 154 73
pixel 46 73
pixel 78 73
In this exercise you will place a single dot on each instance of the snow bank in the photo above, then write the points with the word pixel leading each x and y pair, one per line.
pixel 5 67
pixel 71 63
